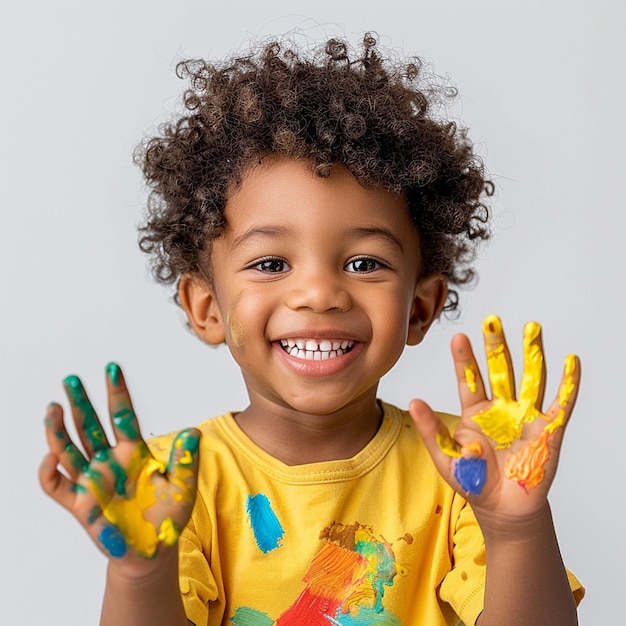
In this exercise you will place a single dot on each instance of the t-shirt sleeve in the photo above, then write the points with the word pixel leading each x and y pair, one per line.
pixel 463 587
pixel 197 583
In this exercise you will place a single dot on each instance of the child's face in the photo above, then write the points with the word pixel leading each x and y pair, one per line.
pixel 315 288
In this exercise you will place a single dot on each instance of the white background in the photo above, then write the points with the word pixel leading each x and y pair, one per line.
pixel 542 90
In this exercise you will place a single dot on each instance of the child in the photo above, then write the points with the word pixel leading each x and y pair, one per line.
pixel 314 213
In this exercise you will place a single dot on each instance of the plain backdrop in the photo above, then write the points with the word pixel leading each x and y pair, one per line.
pixel 542 90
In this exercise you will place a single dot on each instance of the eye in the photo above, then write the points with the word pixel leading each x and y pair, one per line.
pixel 271 265
pixel 363 265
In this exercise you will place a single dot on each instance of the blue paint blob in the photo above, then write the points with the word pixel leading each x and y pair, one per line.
pixel 471 474
pixel 113 541
pixel 265 525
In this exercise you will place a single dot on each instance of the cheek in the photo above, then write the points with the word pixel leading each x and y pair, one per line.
pixel 234 324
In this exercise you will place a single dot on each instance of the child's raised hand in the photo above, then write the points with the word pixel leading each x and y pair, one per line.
pixel 131 505
pixel 504 453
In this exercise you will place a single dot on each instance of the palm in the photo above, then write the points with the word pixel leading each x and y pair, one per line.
pixel 129 502
pixel 508 435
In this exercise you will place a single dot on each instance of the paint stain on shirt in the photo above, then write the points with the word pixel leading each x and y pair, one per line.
pixel 267 530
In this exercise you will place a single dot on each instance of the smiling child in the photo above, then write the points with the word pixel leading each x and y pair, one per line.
pixel 316 216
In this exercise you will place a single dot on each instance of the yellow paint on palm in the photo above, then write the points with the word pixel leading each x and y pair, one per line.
pixel 503 422
pixel 169 532
pixel 127 513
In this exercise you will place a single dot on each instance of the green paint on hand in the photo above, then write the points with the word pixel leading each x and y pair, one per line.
pixel 126 423
pixel 120 478
pixel 76 458
pixel 113 371
pixel 90 426
pixel 190 442
pixel 93 514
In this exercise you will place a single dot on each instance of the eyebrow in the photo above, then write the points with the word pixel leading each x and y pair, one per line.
pixel 377 232
pixel 273 231
pixel 260 231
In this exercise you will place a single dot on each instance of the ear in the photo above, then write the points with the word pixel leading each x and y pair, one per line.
pixel 430 296
pixel 200 303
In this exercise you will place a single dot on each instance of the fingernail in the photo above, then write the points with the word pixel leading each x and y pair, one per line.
pixel 191 441
pixel 74 387
pixel 113 371
pixel 492 324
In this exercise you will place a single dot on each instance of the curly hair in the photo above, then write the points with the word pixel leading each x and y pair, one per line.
pixel 372 114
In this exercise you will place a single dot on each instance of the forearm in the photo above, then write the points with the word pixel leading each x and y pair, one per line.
pixel 526 580
pixel 154 599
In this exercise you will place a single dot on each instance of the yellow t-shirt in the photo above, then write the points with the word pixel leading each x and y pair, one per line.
pixel 376 539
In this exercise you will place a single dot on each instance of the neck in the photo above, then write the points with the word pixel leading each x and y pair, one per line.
pixel 297 438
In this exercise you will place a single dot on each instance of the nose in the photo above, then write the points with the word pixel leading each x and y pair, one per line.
pixel 319 293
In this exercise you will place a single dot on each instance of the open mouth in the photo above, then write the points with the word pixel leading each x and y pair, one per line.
pixel 316 349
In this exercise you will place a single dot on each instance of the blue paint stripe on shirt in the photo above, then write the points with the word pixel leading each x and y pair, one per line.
pixel 265 525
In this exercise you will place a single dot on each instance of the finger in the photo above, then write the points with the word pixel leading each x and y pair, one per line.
pixel 63 491
pixel 183 463
pixel 432 431
pixel 471 386
pixel 534 378
pixel 121 409
pixel 561 408
pixel 464 470
pixel 58 486
pixel 87 423
pixel 498 360
pixel 70 457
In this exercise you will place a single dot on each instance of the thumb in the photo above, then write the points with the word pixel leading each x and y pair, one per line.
pixel 429 426
pixel 184 460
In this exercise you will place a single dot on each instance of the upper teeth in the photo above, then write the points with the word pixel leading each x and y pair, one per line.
pixel 313 349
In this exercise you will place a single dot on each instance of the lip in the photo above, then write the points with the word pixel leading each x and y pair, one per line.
pixel 318 368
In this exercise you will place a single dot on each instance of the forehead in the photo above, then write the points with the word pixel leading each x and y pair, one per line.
pixel 287 194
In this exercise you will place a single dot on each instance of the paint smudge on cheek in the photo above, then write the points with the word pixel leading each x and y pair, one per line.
pixel 235 327
pixel 471 474
pixel 267 530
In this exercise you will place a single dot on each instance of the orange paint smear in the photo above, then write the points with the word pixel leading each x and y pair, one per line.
pixel 333 570
pixel 526 465
pixel 472 449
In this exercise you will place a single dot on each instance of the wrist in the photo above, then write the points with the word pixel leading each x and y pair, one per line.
pixel 512 528
pixel 139 570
